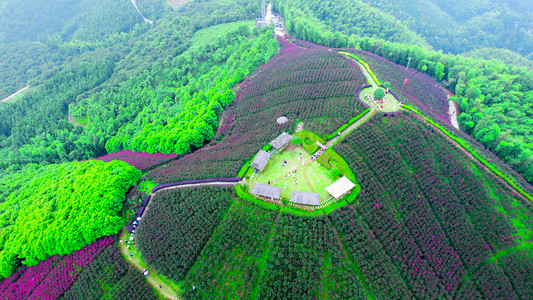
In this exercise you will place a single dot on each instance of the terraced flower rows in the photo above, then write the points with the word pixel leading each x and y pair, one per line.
pixel 309 85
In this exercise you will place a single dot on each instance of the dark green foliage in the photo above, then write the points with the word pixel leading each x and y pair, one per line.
pixel 115 70
pixel 38 127
pixel 177 226
pixel 379 94
pixel 304 259
pixel 452 26
pixel 232 254
pixel 501 56
pixel 54 20
pixel 58 209
pixel 23 62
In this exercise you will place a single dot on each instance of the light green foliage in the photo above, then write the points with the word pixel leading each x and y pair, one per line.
pixel 57 209
pixel 313 178
pixel 296 140
pixel 309 140
pixel 311 17
pixel 182 116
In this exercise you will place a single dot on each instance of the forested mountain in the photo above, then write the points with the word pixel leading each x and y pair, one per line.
pixel 48 34
pixel 133 162
pixel 462 26
pixel 37 128
pixel 451 26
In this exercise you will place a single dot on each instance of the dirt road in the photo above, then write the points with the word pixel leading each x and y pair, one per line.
pixel 15 94
pixel 134 2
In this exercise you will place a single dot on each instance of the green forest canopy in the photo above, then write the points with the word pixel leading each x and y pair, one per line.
pixel 128 68
pixel 454 26
pixel 57 209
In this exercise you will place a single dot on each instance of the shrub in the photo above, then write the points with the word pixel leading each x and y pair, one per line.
pixel 296 140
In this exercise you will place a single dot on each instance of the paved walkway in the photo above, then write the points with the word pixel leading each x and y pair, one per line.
pixel 351 128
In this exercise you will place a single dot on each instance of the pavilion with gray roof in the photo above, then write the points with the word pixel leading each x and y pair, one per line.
pixel 305 198
pixel 281 141
pixel 268 191
pixel 260 161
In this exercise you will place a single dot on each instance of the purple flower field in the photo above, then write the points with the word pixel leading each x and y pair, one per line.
pixel 142 161
pixel 50 278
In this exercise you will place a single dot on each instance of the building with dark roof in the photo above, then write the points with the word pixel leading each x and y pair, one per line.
pixel 305 198
pixel 281 141
pixel 268 191
pixel 260 161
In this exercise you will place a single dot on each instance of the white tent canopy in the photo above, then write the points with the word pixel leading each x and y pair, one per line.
pixel 340 187
pixel 282 120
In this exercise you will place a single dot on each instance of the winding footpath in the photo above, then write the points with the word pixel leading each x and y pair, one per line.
pixel 352 127
pixel 73 122
pixel 165 287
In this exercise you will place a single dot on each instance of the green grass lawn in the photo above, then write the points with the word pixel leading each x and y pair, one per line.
pixel 390 103
pixel 318 176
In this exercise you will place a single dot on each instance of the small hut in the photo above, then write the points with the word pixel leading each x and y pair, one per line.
pixel 260 161
pixel 305 198
pixel 281 141
pixel 267 191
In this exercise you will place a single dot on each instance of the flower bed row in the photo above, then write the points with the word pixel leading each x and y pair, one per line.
pixel 425 214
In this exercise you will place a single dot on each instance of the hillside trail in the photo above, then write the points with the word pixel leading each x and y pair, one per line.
pixel 73 122
pixel 154 280
pixel 15 94
pixel 351 128
pixel 134 2
pixel 364 118
pixel 452 111
pixel 168 289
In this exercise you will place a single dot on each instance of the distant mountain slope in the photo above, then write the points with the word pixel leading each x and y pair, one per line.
pixel 503 55
pixel 461 26
pixel 451 26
